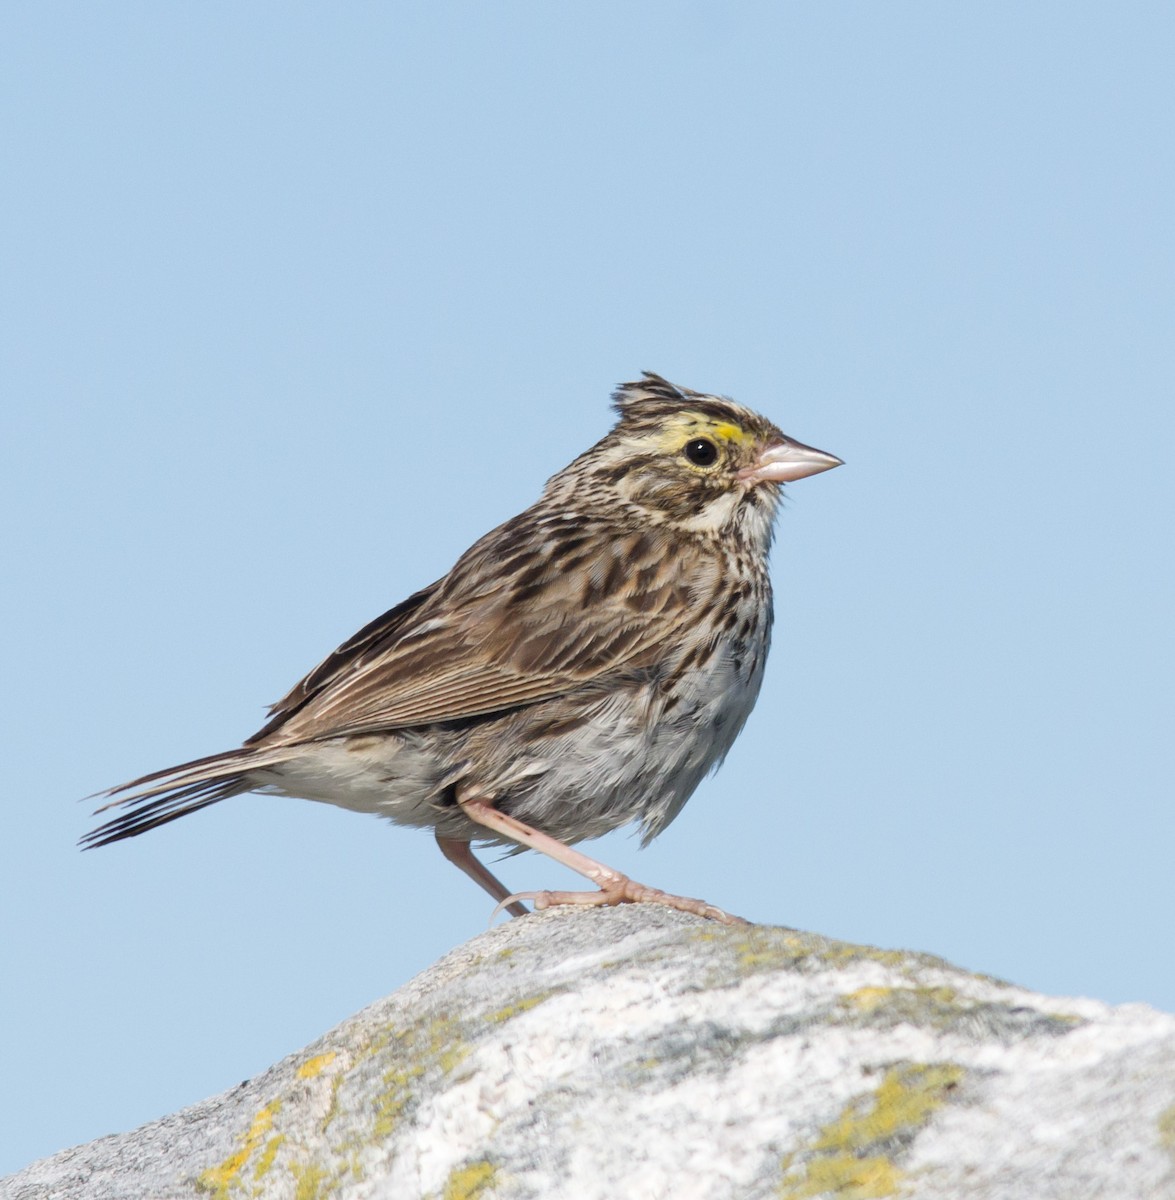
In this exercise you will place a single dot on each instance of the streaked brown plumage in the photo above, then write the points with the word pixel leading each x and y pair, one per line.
pixel 580 667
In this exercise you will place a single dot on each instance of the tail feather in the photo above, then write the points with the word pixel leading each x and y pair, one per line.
pixel 177 791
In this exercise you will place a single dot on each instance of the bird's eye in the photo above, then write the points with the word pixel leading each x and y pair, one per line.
pixel 701 452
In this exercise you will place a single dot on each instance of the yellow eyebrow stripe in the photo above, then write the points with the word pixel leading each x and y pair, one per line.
pixel 729 433
pixel 674 434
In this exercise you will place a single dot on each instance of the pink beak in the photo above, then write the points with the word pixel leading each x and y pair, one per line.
pixel 787 461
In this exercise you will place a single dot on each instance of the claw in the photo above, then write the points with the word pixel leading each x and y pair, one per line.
pixel 513 903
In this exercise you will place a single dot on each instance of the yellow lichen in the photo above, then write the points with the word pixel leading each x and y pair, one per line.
pixel 1167 1130
pixel 225 1175
pixel 444 1046
pixel 852 1158
pixel 840 954
pixel 846 1178
pixel 267 1156
pixel 470 1182
pixel 904 1100
pixel 308 1181
pixel 869 999
pixel 402 1055
pixel 333 1110
pixel 759 949
pixel 418 1048
pixel 316 1065
pixel 513 1010
pixel 763 948
pixel 452 1058
pixel 392 1099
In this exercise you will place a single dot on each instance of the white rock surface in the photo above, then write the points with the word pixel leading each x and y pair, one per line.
pixel 639 1053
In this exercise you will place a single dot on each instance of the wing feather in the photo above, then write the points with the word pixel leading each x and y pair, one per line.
pixel 504 629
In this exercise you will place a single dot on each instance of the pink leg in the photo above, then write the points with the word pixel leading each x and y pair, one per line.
pixel 460 855
pixel 614 887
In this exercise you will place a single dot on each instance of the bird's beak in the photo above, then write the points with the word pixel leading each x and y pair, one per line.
pixel 786 461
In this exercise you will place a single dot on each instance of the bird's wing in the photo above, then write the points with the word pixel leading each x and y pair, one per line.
pixel 503 630
pixel 356 652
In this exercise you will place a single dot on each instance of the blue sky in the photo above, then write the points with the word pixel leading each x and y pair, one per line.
pixel 300 299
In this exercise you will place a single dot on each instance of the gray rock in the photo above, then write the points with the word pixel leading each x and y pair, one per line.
pixel 638 1053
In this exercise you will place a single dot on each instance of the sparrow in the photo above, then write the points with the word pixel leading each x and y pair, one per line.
pixel 581 667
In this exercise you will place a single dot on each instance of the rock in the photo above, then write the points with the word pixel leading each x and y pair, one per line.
pixel 638 1052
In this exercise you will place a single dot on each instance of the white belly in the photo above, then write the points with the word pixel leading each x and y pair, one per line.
pixel 631 756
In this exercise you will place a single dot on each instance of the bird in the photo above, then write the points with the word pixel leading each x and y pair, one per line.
pixel 580 668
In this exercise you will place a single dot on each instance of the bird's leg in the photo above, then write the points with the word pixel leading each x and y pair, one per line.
pixel 615 888
pixel 460 855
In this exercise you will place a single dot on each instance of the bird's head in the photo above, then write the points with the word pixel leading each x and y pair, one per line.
pixel 696 462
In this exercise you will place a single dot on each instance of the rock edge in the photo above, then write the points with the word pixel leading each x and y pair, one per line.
pixel 603 1054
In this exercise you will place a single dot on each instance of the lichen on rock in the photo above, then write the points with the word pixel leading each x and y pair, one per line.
pixel 596 1054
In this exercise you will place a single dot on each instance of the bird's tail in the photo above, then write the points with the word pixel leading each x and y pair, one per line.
pixel 162 796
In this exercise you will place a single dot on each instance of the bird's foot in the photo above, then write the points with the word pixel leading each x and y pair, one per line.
pixel 615 888
pixel 621 890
